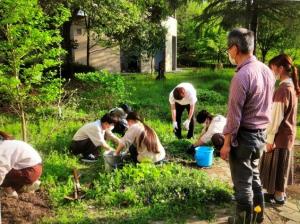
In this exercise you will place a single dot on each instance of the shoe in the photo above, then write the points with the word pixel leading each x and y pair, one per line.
pixel 89 158
pixel 10 192
pixel 32 187
pixel 279 202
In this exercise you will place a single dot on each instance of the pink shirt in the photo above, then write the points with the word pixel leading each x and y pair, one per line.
pixel 250 98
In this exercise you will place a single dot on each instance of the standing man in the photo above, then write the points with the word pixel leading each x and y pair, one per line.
pixel 249 108
pixel 182 97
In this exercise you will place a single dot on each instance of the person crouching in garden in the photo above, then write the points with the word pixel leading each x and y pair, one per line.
pixel 212 131
pixel 21 166
pixel 183 97
pixel 92 136
pixel 120 113
pixel 142 141
pixel 277 162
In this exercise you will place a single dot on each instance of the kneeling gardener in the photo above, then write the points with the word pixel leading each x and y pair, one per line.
pixel 91 136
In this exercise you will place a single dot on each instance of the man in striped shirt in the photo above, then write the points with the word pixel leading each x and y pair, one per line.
pixel 249 107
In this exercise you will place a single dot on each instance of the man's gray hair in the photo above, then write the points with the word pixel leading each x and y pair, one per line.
pixel 243 39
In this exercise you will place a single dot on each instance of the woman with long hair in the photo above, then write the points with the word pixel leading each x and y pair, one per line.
pixel 276 168
pixel 21 166
pixel 141 140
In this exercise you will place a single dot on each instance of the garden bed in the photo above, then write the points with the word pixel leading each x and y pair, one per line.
pixel 29 208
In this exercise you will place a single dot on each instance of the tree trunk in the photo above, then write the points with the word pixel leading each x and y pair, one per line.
pixel 263 55
pixel 254 23
pixel 23 122
pixel 88 39
pixel 67 45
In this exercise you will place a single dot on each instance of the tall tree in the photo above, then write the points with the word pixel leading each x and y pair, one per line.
pixel 247 12
pixel 29 48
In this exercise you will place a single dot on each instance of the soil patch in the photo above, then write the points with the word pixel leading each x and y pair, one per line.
pixel 29 208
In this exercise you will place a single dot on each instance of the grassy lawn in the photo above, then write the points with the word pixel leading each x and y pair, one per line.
pixel 135 194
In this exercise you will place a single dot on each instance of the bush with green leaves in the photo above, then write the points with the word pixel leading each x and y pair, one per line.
pixel 105 90
pixel 210 97
pixel 221 85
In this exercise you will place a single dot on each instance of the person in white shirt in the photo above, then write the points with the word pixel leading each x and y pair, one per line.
pixel 142 141
pixel 20 166
pixel 182 97
pixel 91 136
pixel 212 130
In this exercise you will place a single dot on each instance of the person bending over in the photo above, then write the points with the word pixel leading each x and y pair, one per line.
pixel 141 140
pixel 182 97
pixel 20 166
pixel 91 136
pixel 212 131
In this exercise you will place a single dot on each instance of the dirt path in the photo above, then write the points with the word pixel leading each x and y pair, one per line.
pixel 287 214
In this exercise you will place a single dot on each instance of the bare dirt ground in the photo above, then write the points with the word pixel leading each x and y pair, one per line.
pixel 29 208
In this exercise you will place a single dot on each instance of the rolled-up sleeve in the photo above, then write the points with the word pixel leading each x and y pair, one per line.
pixel 237 97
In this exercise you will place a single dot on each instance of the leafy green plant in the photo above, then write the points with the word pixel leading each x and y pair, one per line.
pixel 147 184
pixel 105 90
pixel 29 48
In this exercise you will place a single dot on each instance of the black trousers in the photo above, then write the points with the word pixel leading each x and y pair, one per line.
pixel 179 110
pixel 84 147
pixel 243 161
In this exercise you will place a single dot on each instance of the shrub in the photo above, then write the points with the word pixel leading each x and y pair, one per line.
pixel 105 90
pixel 221 85
pixel 210 97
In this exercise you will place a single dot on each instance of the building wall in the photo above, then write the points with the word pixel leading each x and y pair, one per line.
pixel 171 25
pixel 100 57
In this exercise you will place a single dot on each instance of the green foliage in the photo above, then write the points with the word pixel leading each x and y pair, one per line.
pixel 210 96
pixel 220 85
pixel 57 175
pixel 149 184
pixel 29 46
pixel 105 90
pixel 200 45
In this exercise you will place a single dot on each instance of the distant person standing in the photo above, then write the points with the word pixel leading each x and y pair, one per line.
pixel 249 109
pixel 277 161
pixel 183 97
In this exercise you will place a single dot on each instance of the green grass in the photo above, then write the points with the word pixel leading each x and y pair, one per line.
pixel 170 193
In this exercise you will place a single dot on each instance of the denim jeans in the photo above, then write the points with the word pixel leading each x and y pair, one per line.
pixel 243 161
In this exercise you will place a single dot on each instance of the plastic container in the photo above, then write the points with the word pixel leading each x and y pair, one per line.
pixel 204 156
pixel 111 161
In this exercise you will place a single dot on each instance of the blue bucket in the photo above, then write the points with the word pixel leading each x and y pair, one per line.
pixel 204 156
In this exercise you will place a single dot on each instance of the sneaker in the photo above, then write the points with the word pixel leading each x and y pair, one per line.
pixel 11 193
pixel 31 188
pixel 89 158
